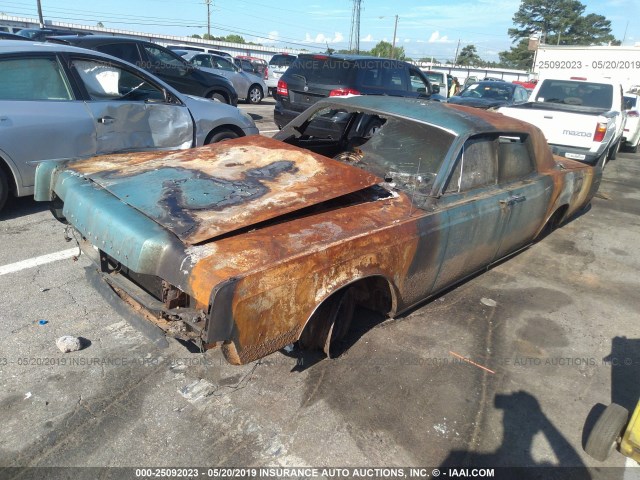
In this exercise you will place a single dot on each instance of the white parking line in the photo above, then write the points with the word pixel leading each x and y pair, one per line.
pixel 269 131
pixel 37 261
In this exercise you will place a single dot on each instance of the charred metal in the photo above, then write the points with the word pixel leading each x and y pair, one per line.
pixel 374 202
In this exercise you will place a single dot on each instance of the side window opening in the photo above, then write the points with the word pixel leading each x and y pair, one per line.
pixel 514 158
pixel 476 165
pixel 108 82
pixel 33 79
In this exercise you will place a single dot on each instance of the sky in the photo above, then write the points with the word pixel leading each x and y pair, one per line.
pixel 425 29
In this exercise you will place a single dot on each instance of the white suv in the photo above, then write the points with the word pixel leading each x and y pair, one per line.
pixel 277 66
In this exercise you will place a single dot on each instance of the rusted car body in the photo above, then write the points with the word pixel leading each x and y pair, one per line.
pixel 256 243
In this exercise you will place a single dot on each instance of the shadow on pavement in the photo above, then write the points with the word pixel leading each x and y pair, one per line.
pixel 21 206
pixel 523 419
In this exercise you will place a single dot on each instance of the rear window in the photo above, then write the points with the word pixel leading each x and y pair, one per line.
pixel 323 71
pixel 571 92
pixel 282 60
pixel 629 102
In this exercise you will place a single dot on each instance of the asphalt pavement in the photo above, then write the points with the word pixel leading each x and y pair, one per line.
pixel 503 370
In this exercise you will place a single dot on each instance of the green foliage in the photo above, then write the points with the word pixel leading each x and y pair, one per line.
pixel 561 22
pixel 231 38
pixel 469 56
pixel 519 57
pixel 383 49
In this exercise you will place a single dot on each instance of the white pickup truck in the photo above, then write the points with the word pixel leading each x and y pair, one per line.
pixel 581 119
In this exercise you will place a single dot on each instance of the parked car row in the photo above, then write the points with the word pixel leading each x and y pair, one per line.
pixel 60 102
pixel 250 87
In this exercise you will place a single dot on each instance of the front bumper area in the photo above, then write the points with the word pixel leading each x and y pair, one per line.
pixel 135 302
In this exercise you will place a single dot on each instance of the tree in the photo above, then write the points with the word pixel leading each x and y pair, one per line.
pixel 100 24
pixel 195 35
pixel 592 29
pixel 561 22
pixel 383 49
pixel 519 57
pixel 232 38
pixel 469 56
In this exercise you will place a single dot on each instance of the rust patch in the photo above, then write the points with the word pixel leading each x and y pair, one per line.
pixel 202 193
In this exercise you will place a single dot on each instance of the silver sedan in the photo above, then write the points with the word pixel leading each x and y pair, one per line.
pixel 61 102
pixel 250 88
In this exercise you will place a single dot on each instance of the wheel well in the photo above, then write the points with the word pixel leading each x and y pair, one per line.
pixel 211 93
pixel 221 128
pixel 11 180
pixel 256 85
pixel 552 222
pixel 558 215
pixel 374 293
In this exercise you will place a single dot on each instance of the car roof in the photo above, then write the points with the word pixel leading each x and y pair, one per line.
pixel 456 119
pixel 19 46
pixel 349 57
pixel 491 83
pixel 96 39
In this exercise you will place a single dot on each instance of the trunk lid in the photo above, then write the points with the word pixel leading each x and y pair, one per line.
pixel 203 193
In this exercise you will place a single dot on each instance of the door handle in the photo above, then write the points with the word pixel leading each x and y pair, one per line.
pixel 513 200
pixel 106 120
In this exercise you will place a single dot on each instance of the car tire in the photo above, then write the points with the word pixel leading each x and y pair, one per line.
pixel 633 148
pixel 220 136
pixel 613 151
pixel 255 94
pixel 218 96
pixel 4 189
pixel 606 432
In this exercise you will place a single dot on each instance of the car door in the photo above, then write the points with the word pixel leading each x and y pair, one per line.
pixel 418 84
pixel 529 193
pixel 130 111
pixel 239 79
pixel 170 68
pixel 41 117
pixel 476 211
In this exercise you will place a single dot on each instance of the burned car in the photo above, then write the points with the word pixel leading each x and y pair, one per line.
pixel 256 243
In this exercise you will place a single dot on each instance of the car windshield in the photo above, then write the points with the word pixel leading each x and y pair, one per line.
pixel 575 92
pixel 281 60
pixel 28 33
pixel 406 154
pixel 489 91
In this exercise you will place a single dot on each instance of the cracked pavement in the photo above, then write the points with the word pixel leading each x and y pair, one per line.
pixel 396 398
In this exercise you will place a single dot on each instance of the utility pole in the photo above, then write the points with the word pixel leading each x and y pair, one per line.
pixel 455 59
pixel 40 19
pixel 354 36
pixel 393 44
pixel 208 3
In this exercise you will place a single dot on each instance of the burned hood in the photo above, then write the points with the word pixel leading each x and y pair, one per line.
pixel 203 193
